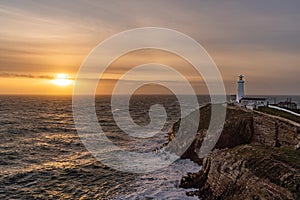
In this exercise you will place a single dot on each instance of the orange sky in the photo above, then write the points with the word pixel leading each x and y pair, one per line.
pixel 40 39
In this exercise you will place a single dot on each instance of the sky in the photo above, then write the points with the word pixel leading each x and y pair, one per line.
pixel 40 39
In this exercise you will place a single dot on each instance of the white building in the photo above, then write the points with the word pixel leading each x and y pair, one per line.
pixel 248 102
pixel 253 103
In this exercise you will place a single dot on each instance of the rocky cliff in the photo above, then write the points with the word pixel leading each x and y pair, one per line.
pixel 242 126
pixel 247 172
pixel 256 157
pixel 275 131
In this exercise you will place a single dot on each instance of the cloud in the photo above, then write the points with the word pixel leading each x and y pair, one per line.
pixel 16 75
pixel 256 38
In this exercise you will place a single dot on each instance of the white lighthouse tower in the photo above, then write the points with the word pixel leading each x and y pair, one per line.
pixel 241 88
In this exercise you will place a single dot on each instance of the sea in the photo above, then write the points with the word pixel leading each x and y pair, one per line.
pixel 43 157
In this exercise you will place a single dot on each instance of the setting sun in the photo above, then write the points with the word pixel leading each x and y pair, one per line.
pixel 62 80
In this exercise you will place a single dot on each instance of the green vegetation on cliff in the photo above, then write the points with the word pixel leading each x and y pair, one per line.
pixel 280 113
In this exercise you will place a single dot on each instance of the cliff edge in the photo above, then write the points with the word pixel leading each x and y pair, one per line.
pixel 247 172
pixel 256 157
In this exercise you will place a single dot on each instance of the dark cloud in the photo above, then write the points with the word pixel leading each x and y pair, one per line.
pixel 15 75
pixel 257 38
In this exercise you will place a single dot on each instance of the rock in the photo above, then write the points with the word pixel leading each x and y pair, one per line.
pixel 275 131
pixel 242 126
pixel 248 172
pixel 257 156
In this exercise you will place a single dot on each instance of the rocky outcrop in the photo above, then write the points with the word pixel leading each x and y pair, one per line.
pixel 242 126
pixel 275 131
pixel 247 172
pixel 238 129
pixel 257 156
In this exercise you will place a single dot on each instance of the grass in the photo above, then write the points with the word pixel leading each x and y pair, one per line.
pixel 294 110
pixel 280 113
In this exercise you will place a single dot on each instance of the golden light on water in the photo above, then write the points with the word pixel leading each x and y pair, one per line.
pixel 62 80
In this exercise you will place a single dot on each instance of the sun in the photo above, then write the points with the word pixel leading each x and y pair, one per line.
pixel 62 80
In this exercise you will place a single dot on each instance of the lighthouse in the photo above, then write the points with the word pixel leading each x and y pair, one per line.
pixel 241 88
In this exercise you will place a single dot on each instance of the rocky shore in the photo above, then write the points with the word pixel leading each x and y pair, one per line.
pixel 256 157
